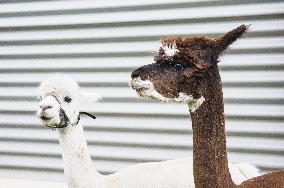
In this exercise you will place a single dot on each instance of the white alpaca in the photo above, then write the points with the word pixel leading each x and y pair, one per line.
pixel 59 109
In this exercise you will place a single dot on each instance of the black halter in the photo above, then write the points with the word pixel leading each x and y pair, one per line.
pixel 64 120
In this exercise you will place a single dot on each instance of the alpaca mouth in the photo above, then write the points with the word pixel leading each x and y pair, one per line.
pixel 50 122
pixel 146 89
pixel 140 86
pixel 44 118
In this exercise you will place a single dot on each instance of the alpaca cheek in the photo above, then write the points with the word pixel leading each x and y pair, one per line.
pixel 168 87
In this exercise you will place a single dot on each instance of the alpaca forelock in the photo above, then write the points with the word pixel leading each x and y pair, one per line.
pixel 169 50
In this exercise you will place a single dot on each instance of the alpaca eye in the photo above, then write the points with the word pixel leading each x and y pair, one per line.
pixel 178 67
pixel 67 99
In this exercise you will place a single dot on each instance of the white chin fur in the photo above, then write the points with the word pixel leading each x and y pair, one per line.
pixel 53 122
pixel 145 88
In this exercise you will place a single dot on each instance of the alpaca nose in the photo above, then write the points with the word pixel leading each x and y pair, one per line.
pixel 136 73
pixel 45 107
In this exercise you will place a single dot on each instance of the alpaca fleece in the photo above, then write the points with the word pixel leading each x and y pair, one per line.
pixel 193 70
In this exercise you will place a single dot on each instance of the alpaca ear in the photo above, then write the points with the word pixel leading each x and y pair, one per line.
pixel 87 98
pixel 223 42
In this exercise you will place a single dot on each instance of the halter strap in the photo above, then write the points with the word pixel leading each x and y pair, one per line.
pixel 88 114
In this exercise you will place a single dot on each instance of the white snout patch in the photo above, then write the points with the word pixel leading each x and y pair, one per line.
pixel 146 89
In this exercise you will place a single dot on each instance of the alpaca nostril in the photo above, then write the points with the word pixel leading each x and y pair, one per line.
pixel 136 73
pixel 44 107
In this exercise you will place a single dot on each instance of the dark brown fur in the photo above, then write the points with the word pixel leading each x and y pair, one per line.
pixel 199 76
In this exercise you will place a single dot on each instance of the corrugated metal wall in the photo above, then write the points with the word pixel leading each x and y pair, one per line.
pixel 99 43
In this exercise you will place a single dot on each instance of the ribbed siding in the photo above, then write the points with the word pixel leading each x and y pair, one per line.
pixel 98 43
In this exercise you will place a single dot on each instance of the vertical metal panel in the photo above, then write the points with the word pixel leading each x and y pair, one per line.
pixel 99 43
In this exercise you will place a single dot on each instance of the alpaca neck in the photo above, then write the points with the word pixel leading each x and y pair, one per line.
pixel 209 141
pixel 78 165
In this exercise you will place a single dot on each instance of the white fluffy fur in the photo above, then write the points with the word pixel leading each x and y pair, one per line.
pixel 170 50
pixel 78 166
pixel 242 171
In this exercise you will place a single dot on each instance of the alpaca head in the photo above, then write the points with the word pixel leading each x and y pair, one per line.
pixel 180 65
pixel 60 99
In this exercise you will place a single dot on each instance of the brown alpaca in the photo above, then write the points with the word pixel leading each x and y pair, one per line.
pixel 186 70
